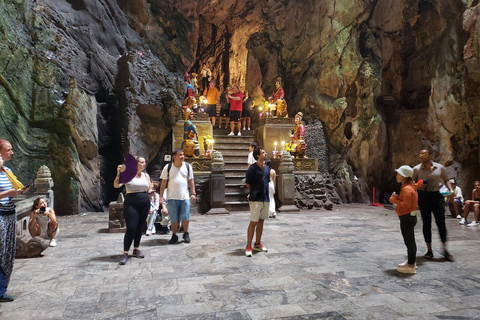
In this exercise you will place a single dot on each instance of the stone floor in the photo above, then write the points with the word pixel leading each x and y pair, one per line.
pixel 337 264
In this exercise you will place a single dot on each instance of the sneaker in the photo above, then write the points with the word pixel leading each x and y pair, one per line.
pixel 243 128
pixel 473 224
pixel 406 263
pixel 248 251
pixel 186 237
pixel 459 217
pixel 138 254
pixel 407 269
pixel 123 259
pixel 231 134
pixel 174 239
pixel 463 221
pixel 6 298
pixel 148 233
pixel 53 243
pixel 239 134
pixel 248 129
pixel 259 247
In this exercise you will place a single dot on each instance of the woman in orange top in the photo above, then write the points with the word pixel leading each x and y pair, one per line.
pixel 407 202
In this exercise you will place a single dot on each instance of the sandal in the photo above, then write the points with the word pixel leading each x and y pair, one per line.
pixel 428 255
pixel 448 256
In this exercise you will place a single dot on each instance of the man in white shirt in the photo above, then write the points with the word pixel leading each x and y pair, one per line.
pixel 177 178
pixel 455 200
pixel 251 160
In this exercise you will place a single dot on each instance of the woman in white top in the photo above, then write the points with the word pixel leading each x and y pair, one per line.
pixel 135 208
pixel 271 190
pixel 43 221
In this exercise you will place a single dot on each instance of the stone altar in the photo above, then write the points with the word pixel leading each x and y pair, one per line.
pixel 271 130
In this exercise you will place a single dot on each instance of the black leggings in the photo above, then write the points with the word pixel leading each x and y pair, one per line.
pixel 407 226
pixel 432 202
pixel 135 212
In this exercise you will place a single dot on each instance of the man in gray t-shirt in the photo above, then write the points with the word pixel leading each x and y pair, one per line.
pixel 430 200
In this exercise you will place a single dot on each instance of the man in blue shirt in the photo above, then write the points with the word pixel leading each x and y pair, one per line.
pixel 256 180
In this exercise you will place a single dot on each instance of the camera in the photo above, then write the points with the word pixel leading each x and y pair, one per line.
pixel 42 209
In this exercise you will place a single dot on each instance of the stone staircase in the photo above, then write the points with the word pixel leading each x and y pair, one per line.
pixel 235 154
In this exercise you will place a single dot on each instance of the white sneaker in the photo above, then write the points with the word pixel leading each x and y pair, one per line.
pixel 406 264
pixel 473 224
pixel 248 251
pixel 459 217
pixel 243 128
pixel 463 221
pixel 239 134
pixel 248 128
pixel 53 243
pixel 407 269
pixel 231 134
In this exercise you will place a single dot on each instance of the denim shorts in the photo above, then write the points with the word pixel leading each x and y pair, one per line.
pixel 178 210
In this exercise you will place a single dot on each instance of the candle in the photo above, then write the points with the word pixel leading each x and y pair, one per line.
pixel 275 146
pixel 283 145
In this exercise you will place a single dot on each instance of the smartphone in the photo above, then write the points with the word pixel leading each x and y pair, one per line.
pixel 27 186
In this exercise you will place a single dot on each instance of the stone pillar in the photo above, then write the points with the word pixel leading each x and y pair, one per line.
pixel 286 183
pixel 116 221
pixel 43 185
pixel 217 185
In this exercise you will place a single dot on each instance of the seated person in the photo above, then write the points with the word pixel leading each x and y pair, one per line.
pixel 43 221
pixel 154 198
pixel 455 200
pixel 472 205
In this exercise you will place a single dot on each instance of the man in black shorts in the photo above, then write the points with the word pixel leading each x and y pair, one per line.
pixel 224 107
pixel 212 95
pixel 236 99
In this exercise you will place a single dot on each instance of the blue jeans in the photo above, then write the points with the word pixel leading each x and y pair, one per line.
pixel 178 210
pixel 3 282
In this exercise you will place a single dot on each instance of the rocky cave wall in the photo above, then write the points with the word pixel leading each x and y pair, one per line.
pixel 385 78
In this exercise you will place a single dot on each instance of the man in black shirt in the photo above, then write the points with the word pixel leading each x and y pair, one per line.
pixel 256 180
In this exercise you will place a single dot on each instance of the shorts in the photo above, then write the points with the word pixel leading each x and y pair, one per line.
pixel 224 112
pixel 235 115
pixel 178 210
pixel 245 112
pixel 211 110
pixel 258 210
pixel 460 204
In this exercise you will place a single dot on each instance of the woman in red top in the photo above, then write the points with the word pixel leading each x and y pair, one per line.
pixel 407 202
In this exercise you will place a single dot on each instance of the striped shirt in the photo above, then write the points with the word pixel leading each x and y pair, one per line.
pixel 6 203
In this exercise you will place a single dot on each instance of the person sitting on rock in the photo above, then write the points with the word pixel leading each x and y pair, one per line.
pixel 455 200
pixel 43 221
pixel 472 205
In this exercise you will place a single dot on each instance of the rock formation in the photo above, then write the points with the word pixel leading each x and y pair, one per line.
pixel 385 77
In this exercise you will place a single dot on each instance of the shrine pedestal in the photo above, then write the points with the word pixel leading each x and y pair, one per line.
pixel 204 127
pixel 273 130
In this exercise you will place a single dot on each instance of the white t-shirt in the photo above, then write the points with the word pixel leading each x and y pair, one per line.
pixel 458 193
pixel 177 188
pixel 251 160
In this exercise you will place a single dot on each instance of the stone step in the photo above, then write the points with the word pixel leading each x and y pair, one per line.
pixel 231 146
pixel 232 152
pixel 233 196
pixel 240 173
pixel 236 206
pixel 225 132
pixel 231 139
pixel 234 179
pixel 236 188
pixel 236 165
